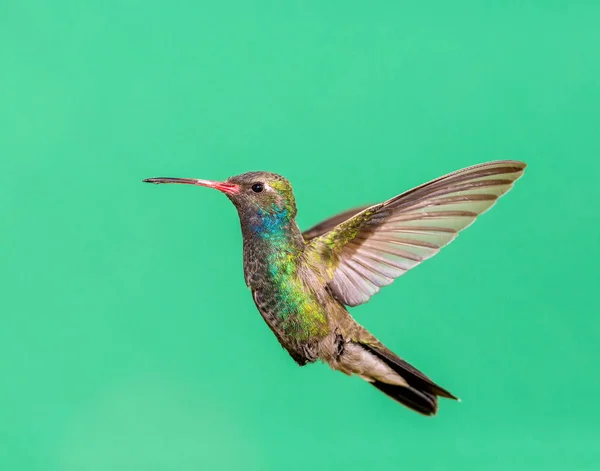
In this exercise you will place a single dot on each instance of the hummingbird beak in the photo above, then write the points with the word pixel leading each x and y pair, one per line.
pixel 229 188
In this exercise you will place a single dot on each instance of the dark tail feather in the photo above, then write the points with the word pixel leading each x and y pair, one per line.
pixel 421 395
pixel 419 401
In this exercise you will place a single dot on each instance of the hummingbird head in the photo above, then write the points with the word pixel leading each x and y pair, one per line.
pixel 264 200
pixel 262 192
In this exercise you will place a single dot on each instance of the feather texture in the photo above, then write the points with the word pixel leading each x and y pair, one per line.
pixel 328 224
pixel 372 248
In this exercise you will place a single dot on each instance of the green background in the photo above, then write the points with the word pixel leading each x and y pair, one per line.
pixel 128 339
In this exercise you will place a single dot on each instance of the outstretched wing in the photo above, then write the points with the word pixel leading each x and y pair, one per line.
pixel 328 224
pixel 384 241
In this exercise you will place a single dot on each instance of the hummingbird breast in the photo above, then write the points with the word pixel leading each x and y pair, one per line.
pixel 288 295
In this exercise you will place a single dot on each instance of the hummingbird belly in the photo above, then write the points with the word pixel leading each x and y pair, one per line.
pixel 291 305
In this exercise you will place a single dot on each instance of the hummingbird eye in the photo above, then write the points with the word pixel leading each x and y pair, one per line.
pixel 257 187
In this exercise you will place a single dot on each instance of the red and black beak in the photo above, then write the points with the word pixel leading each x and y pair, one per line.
pixel 225 187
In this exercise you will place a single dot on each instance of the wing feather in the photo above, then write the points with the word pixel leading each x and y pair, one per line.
pixel 372 246
pixel 328 224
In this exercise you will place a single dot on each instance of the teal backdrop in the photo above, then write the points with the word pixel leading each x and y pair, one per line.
pixel 128 339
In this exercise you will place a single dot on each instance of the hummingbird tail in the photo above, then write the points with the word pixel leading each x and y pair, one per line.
pixel 420 401
pixel 419 393
pixel 393 376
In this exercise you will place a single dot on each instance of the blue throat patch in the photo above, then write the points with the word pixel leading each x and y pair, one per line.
pixel 272 223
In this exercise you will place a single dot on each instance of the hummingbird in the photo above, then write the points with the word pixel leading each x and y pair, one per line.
pixel 303 282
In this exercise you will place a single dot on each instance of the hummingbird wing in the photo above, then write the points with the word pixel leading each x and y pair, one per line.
pixel 328 224
pixel 384 241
